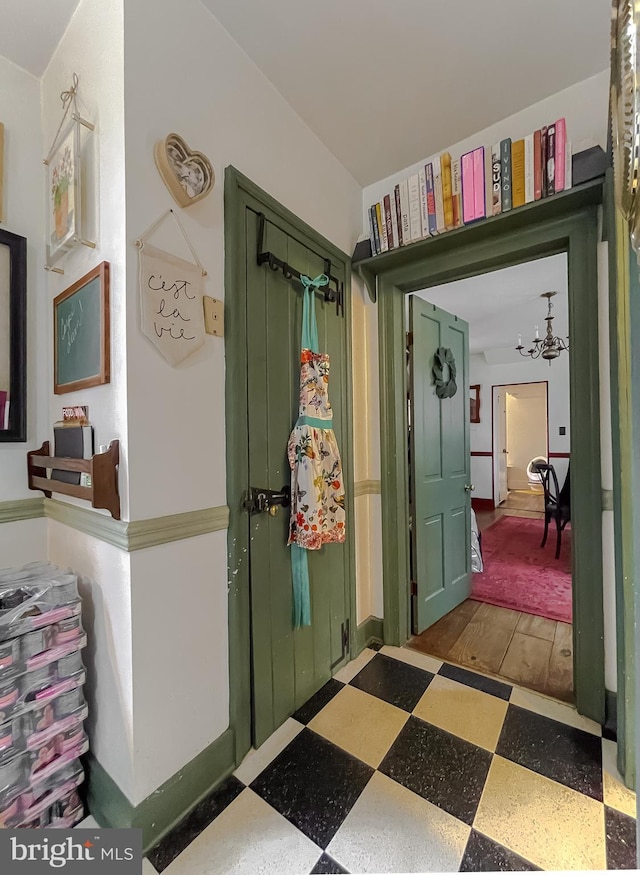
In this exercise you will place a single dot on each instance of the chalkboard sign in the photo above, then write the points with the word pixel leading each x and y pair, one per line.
pixel 81 333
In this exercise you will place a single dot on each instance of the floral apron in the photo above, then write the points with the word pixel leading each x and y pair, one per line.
pixel 317 488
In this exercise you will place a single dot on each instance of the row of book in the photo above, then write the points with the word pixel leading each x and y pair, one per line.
pixel 448 193
pixel 73 439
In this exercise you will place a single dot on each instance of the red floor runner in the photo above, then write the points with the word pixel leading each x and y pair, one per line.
pixel 519 574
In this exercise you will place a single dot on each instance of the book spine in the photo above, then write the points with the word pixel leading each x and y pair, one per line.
pixel 551 159
pixel 561 147
pixel 387 215
pixel 396 192
pixel 456 192
pixel 479 190
pixel 568 167
pixel 431 200
pixel 447 190
pixel 505 160
pixel 543 150
pixel 468 196
pixel 496 180
pixel 517 173
pixel 438 194
pixel 382 227
pixel 404 206
pixel 424 212
pixel 374 225
pixel 537 165
pixel 528 169
pixel 415 219
pixel 394 198
pixel 372 231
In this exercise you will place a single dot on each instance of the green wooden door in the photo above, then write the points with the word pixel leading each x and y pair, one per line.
pixel 440 467
pixel 288 665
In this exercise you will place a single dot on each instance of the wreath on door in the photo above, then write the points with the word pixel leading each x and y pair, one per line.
pixel 444 372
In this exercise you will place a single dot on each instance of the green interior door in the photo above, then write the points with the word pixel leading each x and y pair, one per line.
pixel 288 666
pixel 440 467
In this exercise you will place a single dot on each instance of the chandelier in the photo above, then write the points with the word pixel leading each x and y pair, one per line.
pixel 549 347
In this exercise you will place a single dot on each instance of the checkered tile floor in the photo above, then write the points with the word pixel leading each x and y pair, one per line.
pixel 404 764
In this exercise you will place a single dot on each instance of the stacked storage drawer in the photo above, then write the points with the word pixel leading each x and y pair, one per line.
pixel 42 705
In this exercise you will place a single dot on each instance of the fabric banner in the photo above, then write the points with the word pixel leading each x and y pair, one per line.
pixel 171 291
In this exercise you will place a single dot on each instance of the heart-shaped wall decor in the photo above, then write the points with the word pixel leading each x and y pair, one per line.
pixel 187 174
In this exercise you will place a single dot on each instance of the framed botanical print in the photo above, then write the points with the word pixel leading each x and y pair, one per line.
pixel 64 192
pixel 81 348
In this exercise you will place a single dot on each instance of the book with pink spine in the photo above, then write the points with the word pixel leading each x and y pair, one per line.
pixel 468 194
pixel 479 183
pixel 561 145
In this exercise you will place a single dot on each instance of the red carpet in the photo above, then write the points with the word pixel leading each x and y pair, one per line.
pixel 519 574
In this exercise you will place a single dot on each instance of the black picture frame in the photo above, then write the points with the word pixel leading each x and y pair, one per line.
pixel 17 246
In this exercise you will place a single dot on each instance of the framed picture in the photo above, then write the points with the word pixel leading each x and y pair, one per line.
pixel 64 194
pixel 13 337
pixel 474 399
pixel 81 351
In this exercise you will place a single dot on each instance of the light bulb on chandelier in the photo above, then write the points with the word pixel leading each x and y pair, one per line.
pixel 548 347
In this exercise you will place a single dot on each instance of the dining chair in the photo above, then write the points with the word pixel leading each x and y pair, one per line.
pixel 557 502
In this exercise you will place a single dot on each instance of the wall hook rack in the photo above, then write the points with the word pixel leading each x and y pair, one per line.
pixel 327 293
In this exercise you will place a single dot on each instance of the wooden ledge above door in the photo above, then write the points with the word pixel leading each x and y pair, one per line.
pixel 542 210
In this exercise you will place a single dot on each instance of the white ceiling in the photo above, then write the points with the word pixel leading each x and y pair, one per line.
pixel 384 84
pixel 500 305
pixel 30 30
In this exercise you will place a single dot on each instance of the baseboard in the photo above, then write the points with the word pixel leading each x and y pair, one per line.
pixel 169 804
pixel 611 713
pixel 369 632
pixel 482 504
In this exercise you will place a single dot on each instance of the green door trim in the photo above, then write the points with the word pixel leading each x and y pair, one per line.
pixel 564 224
pixel 238 190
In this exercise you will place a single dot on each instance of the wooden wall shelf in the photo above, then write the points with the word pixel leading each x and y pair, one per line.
pixel 103 491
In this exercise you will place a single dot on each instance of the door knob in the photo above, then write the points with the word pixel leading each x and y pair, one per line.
pixel 505 451
pixel 469 487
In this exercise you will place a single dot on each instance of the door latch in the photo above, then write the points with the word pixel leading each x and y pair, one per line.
pixel 266 500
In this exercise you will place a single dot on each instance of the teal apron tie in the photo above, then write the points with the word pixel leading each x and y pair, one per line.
pixel 299 558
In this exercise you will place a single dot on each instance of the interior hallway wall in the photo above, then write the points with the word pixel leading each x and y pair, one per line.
pixel 93 47
pixel 24 178
pixel 216 98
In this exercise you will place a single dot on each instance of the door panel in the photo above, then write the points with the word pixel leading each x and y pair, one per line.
pixel 440 467
pixel 502 455
pixel 288 666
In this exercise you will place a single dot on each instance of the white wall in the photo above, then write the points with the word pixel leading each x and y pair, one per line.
pixel 93 47
pixel 584 105
pixel 24 181
pixel 217 99
pixel 527 371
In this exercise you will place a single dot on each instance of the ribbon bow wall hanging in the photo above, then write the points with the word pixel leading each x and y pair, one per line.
pixel 444 372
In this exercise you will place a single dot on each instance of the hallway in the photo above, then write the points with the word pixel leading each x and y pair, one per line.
pixel 404 763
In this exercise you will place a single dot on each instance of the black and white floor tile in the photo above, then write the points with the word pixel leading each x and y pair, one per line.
pixel 404 764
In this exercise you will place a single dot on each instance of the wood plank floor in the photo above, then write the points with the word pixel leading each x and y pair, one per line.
pixel 531 651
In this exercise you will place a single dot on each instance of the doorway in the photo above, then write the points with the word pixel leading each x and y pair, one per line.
pixel 568 224
pixel 274 667
pixel 512 615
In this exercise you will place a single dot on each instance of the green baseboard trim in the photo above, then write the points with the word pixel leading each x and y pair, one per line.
pixel 105 800
pixel 138 534
pixel 611 711
pixel 169 804
pixel 21 509
pixel 366 487
pixel 369 632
